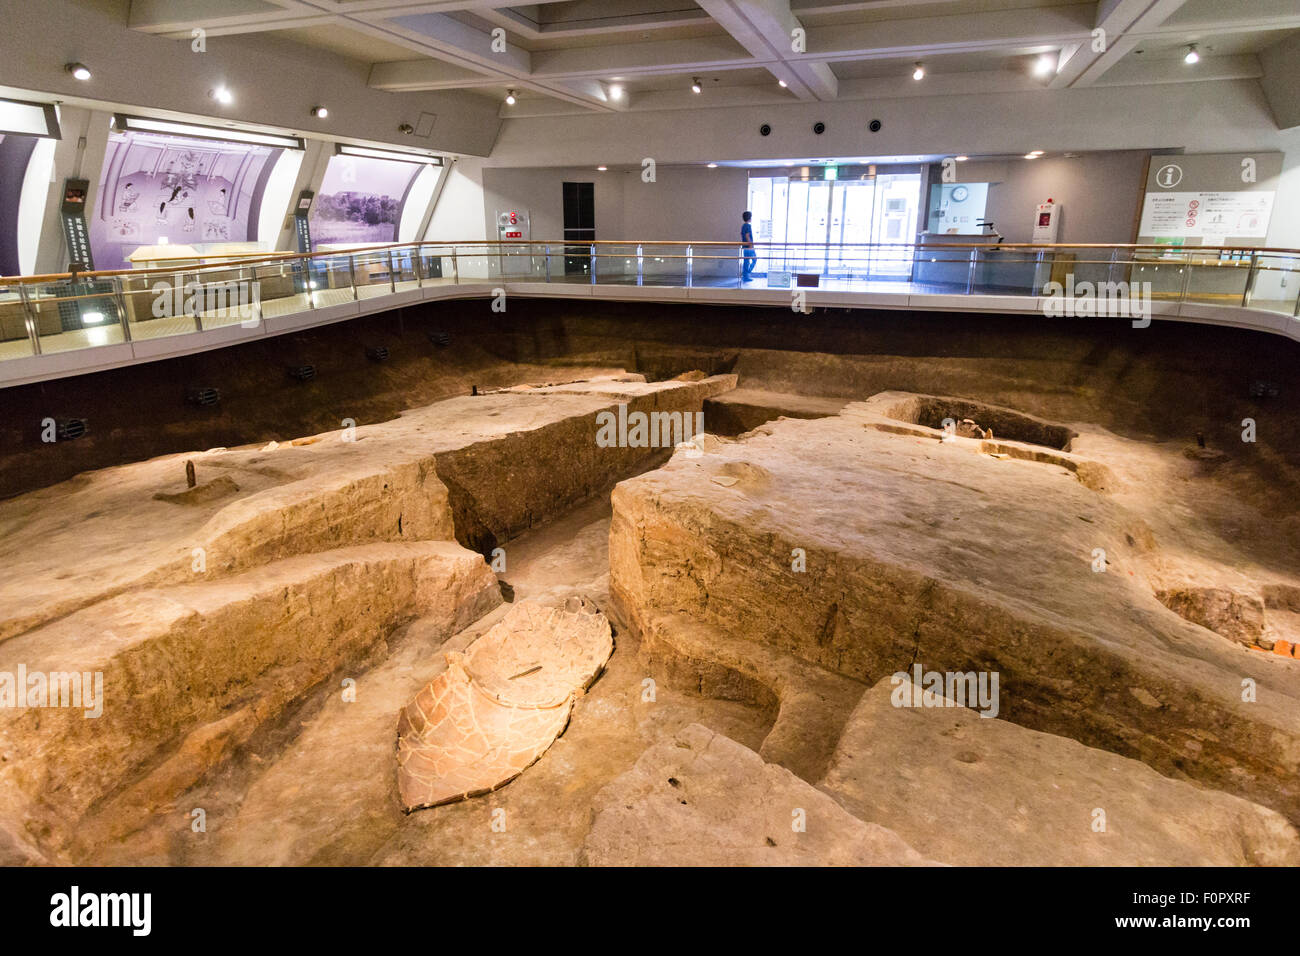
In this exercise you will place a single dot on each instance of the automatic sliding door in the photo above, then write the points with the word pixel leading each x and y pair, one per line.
pixel 851 228
pixel 809 225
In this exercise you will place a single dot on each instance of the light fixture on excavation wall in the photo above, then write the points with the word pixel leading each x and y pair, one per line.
pixel 79 70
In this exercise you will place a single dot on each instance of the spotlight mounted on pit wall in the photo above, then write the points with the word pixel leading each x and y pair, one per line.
pixel 765 129
pixel 818 128
pixel 875 126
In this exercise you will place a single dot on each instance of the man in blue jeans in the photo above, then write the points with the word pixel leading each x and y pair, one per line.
pixel 747 241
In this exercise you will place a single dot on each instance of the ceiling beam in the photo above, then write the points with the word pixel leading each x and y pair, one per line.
pixel 766 29
pixel 1122 22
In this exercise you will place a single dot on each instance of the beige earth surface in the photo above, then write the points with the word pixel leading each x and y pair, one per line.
pixel 260 634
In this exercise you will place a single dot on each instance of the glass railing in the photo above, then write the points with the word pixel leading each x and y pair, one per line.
pixel 46 315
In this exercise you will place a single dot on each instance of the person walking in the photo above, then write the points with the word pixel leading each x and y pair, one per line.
pixel 747 242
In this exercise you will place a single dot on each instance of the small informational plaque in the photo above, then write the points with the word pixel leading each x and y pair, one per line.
pixel 75 231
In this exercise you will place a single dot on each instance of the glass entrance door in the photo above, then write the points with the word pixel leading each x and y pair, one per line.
pixel 813 223
pixel 851 222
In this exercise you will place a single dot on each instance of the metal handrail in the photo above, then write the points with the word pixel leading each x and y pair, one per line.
pixel 977 268
pixel 500 246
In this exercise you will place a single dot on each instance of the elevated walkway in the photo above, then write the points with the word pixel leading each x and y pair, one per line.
pixel 55 326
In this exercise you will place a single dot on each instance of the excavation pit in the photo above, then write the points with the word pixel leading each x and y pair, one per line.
pixel 944 414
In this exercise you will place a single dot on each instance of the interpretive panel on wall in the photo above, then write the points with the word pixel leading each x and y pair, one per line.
pixel 360 200
pixel 1209 200
pixel 15 154
pixel 158 189
pixel 1186 214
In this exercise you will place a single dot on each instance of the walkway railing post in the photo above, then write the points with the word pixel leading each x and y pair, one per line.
pixel 547 248
pixel 417 265
pixel 639 264
pixel 455 267
pixel 593 263
pixel 198 320
pixel 690 265
pixel 121 308
pixel 392 272
pixel 1187 279
pixel 1250 279
pixel 311 287
pixel 352 272
pixel 29 318
pixel 970 273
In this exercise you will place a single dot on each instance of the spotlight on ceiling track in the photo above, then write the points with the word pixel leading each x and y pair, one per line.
pixel 695 85
pixel 319 112
pixel 222 95
pixel 1043 66
pixel 78 70
pixel 1191 56
pixel 919 72
pixel 510 97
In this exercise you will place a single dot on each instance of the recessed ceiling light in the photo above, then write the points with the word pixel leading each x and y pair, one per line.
pixel 510 97
pixel 616 92
pixel 695 85
pixel 961 159
pixel 919 72
pixel 713 165
pixel 319 112
pixel 78 70
pixel 222 95
pixel 1192 56
pixel 602 168
pixel 1035 152
pixel 782 84
pixel 1031 155
pixel 1044 65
